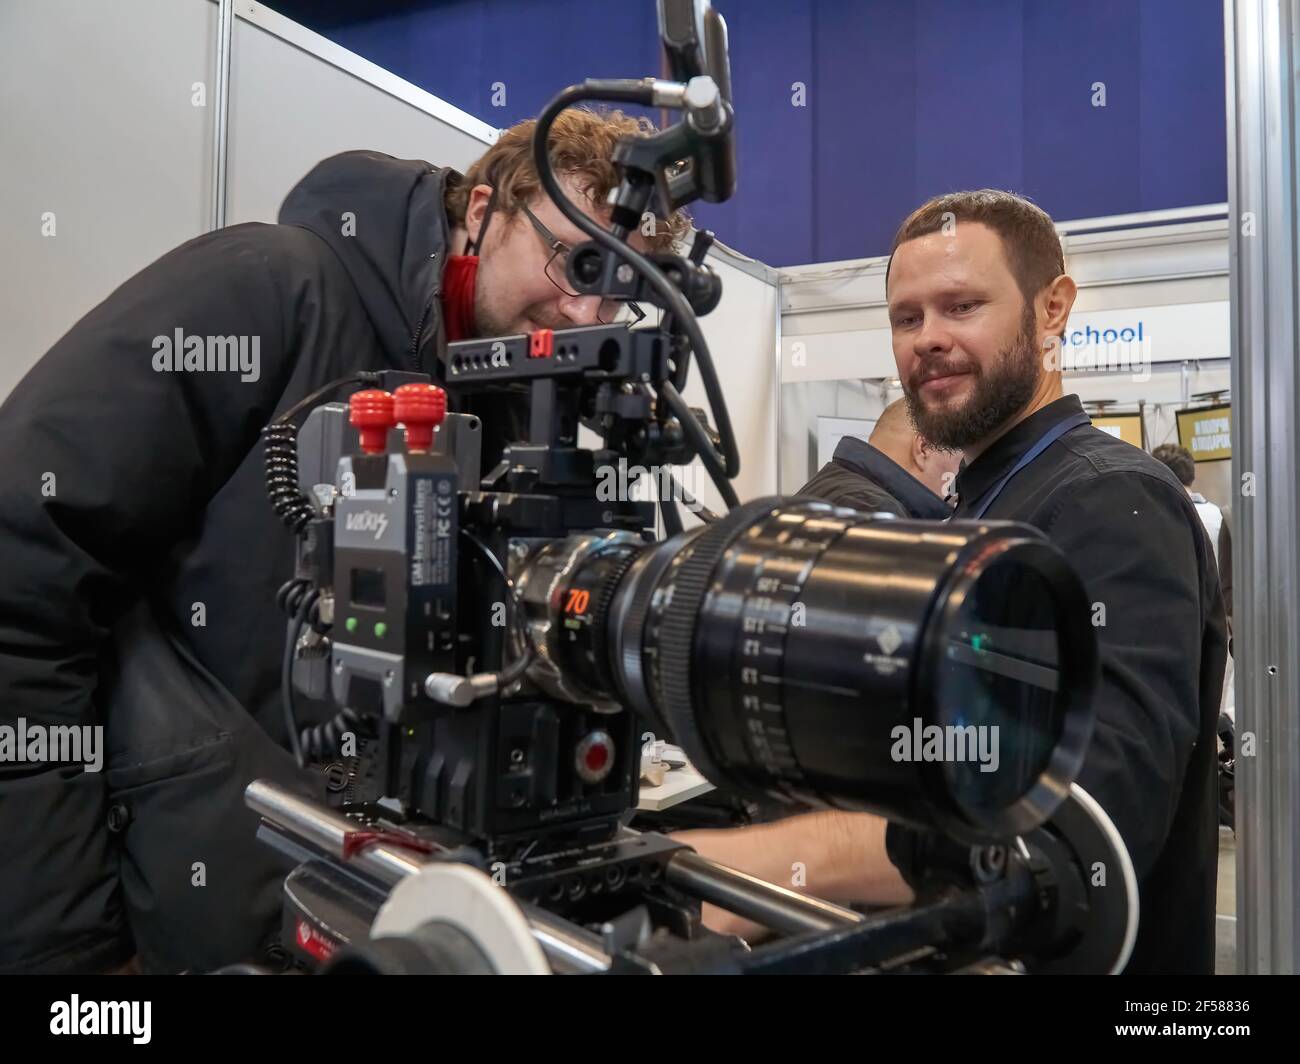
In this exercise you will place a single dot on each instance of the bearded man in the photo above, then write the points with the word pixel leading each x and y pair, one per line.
pixel 978 301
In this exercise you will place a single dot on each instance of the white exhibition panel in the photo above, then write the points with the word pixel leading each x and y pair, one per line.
pixel 741 334
pixel 106 141
pixel 297 98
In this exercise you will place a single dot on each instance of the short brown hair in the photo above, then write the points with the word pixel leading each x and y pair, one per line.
pixel 581 143
pixel 1179 460
pixel 1028 234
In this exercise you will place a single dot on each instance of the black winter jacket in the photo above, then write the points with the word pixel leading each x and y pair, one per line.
pixel 141 561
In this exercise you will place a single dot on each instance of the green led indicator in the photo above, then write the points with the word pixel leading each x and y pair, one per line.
pixel 350 624
pixel 978 641
pixel 381 629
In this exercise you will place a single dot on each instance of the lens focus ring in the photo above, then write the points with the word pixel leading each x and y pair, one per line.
pixel 677 636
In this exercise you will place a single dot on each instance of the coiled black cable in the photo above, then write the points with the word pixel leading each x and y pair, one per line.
pixel 288 500
pixel 301 601
pixel 326 740
pixel 293 599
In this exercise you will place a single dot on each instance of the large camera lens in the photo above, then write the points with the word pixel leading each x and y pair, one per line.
pixel 938 674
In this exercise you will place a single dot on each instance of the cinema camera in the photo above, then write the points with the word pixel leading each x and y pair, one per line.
pixel 496 644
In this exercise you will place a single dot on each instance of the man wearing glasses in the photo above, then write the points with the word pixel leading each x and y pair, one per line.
pixel 549 313
pixel 142 558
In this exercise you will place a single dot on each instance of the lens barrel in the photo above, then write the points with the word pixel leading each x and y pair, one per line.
pixel 940 674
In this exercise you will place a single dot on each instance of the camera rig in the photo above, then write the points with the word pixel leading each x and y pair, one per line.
pixel 497 638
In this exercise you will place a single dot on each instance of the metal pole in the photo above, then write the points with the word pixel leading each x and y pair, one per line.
pixel 569 948
pixel 765 903
pixel 1264 242
pixel 876 939
pixel 221 110
pixel 778 443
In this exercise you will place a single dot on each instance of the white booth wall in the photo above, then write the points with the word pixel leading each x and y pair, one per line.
pixel 105 161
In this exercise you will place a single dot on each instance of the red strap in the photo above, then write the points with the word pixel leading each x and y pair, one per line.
pixel 356 841
pixel 458 281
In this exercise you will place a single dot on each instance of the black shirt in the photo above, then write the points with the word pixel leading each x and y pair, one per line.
pixel 1129 530
pixel 864 478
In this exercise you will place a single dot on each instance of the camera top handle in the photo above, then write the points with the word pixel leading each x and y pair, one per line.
pixel 690 160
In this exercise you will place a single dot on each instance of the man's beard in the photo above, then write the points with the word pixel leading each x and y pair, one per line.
pixel 1001 391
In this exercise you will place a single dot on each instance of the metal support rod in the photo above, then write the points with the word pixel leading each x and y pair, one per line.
pixel 322 827
pixel 776 387
pixel 875 939
pixel 755 899
pixel 221 110
pixel 1263 249
pixel 567 947
pixel 570 949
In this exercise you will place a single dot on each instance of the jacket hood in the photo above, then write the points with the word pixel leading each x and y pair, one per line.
pixel 385 220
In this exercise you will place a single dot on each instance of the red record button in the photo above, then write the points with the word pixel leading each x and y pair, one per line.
pixel 594 757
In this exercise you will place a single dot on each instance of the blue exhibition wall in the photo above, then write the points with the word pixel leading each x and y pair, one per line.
pixel 901 99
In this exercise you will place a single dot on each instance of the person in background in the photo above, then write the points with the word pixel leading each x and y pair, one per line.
pixel 896 471
pixel 1225 565
pixel 1218 528
pixel 1183 466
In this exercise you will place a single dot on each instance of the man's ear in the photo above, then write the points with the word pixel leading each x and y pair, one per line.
pixel 921 452
pixel 1054 303
pixel 475 208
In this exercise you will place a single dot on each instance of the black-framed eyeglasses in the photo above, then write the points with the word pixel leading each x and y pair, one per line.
pixel 557 265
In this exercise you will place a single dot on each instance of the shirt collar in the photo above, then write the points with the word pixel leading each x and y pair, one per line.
pixel 976 478
pixel 917 499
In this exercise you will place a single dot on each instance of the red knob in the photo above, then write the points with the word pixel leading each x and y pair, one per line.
pixel 421 408
pixel 371 413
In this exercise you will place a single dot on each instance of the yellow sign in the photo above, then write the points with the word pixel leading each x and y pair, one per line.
pixel 1127 427
pixel 1207 432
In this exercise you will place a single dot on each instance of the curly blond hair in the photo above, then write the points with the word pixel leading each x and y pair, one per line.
pixel 581 143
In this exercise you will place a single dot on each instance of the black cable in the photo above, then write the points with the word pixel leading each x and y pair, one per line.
pixel 288 500
pixel 700 441
pixel 676 303
pixel 326 740
pixel 298 612
pixel 672 519
pixel 362 377
pixel 693 504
